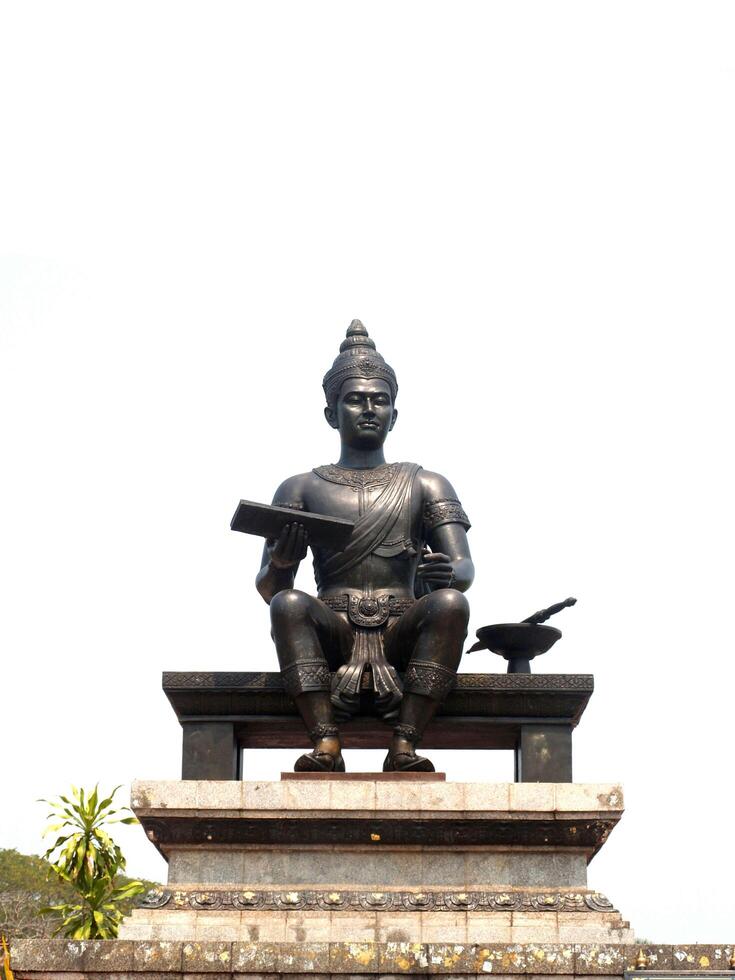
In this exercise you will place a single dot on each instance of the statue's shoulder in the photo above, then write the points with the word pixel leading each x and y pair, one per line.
pixel 434 486
pixel 440 502
pixel 294 491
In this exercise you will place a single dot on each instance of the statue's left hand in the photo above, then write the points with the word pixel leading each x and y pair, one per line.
pixel 436 570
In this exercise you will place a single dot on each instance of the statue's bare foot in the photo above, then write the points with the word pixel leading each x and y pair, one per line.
pixel 325 757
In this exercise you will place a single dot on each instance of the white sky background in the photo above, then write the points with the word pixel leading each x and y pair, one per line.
pixel 531 206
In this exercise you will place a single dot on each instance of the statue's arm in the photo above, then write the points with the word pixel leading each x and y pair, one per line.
pixel 445 528
pixel 282 555
pixel 451 540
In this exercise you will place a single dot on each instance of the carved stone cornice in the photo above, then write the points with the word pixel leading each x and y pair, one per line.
pixel 309 900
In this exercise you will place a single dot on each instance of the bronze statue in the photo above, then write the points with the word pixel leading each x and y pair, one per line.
pixel 391 602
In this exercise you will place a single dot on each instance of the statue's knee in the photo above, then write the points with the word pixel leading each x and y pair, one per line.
pixel 288 606
pixel 451 605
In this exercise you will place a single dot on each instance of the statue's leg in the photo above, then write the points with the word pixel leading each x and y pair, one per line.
pixel 307 633
pixel 432 633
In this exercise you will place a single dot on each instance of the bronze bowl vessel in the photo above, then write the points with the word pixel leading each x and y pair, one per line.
pixel 518 643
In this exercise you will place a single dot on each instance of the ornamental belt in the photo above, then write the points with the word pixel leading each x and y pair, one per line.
pixel 368 610
pixel 368 614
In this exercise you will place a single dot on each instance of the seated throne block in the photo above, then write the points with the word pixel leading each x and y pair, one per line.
pixel 533 715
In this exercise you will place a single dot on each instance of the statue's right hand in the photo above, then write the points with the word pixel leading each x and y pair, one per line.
pixel 290 547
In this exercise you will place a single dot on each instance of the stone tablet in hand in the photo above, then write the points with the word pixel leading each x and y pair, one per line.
pixel 267 521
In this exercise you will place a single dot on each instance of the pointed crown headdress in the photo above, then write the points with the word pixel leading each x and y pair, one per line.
pixel 357 358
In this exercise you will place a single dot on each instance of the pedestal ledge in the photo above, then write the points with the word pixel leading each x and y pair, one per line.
pixel 377 814
pixel 298 796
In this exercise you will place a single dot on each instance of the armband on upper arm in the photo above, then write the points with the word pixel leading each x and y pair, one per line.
pixel 445 511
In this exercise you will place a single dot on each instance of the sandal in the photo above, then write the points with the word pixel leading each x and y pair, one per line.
pixel 319 762
pixel 407 762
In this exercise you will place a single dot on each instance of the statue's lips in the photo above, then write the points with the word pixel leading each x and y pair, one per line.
pixel 368 425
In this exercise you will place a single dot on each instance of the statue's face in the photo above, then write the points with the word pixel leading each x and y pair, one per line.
pixel 364 413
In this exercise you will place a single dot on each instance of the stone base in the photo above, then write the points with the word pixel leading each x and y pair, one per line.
pixel 359 925
pixel 377 861
pixel 286 867
pixel 37 959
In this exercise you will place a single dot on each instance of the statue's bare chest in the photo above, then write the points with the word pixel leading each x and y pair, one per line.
pixel 348 494
pixel 347 503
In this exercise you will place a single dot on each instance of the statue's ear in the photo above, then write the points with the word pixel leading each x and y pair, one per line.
pixel 393 420
pixel 331 416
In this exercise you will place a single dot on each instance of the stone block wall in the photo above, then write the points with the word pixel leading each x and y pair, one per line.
pixel 146 960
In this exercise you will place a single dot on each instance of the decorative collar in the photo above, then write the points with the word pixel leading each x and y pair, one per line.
pixel 357 479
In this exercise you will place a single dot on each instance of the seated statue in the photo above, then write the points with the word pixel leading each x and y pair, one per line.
pixel 390 613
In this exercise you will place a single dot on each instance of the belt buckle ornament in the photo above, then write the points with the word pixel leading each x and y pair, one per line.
pixel 369 611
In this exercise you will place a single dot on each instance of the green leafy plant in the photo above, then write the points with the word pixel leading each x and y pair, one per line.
pixel 86 857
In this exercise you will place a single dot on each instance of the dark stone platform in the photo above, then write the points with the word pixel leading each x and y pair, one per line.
pixel 555 832
pixel 532 714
